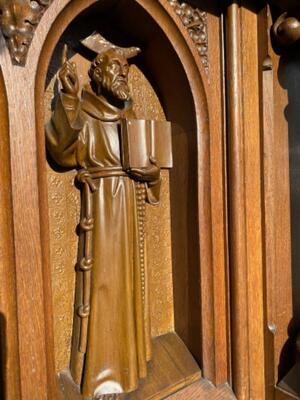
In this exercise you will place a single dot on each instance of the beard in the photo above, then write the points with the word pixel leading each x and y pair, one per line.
pixel 119 88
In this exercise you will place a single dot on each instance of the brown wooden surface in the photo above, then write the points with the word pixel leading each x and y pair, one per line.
pixel 237 219
pixel 9 351
pixel 207 339
pixel 245 213
pixel 172 369
pixel 64 214
pixel 281 307
pixel 220 270
pixel 203 390
pixel 258 203
pixel 276 219
pixel 269 214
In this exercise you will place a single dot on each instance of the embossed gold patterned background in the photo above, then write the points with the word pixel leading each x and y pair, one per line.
pixel 64 211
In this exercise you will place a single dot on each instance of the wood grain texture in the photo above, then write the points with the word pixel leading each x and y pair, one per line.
pixel 203 390
pixel 286 255
pixel 280 191
pixel 269 216
pixel 252 131
pixel 172 369
pixel 9 351
pixel 217 127
pixel 31 277
pixel 237 217
pixel 29 187
pixel 245 214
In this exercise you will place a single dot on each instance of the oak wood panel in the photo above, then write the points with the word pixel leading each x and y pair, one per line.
pixel 30 199
pixel 283 299
pixel 276 220
pixel 32 306
pixel 214 86
pixel 269 213
pixel 203 390
pixel 172 368
pixel 278 76
pixel 9 352
pixel 237 217
pixel 253 187
pixel 245 202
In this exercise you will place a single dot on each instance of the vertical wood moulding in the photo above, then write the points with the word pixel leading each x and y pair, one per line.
pixel 218 196
pixel 245 219
pixel 190 59
pixel 268 199
pixel 45 248
pixel 280 309
pixel 37 381
pixel 283 307
pixel 269 213
pixel 9 354
pixel 253 194
pixel 27 240
pixel 237 217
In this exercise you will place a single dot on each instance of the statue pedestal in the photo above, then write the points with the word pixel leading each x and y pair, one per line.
pixel 172 368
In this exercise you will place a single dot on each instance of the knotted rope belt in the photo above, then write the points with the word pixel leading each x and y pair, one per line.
pixel 88 178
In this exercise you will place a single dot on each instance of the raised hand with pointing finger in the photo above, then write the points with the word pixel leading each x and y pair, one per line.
pixel 68 75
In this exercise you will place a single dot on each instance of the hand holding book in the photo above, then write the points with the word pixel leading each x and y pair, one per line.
pixel 146 147
pixel 146 174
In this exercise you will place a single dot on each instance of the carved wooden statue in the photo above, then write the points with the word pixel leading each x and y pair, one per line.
pixel 92 131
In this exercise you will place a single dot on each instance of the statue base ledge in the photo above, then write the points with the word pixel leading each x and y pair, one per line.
pixel 171 369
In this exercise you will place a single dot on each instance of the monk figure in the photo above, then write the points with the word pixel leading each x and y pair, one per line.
pixel 111 342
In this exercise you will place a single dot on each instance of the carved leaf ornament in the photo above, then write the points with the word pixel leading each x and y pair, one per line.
pixel 19 19
pixel 195 22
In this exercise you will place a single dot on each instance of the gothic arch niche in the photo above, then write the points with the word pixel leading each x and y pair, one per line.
pixel 157 69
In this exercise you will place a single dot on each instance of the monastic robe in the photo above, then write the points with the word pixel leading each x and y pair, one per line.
pixel 111 345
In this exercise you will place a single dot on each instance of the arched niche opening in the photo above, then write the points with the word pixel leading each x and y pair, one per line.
pixel 161 75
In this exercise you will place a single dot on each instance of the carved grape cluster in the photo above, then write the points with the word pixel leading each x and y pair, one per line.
pixel 195 22
pixel 18 21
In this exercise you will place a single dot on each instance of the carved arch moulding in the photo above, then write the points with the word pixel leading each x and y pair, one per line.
pixel 186 33
pixel 191 66
pixel 19 19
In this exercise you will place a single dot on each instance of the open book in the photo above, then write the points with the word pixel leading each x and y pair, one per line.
pixel 142 139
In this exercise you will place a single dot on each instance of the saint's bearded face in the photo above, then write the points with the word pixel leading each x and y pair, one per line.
pixel 112 75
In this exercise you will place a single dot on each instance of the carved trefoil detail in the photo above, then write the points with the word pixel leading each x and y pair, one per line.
pixel 18 20
pixel 195 21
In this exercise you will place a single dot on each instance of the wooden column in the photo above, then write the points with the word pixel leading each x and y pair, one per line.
pixel 245 202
